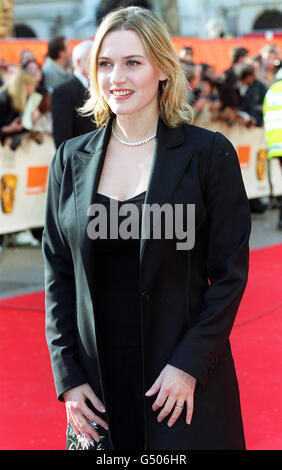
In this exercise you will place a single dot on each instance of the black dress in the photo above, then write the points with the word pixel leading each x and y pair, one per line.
pixel 117 314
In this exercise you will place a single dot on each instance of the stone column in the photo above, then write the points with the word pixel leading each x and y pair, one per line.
pixel 6 18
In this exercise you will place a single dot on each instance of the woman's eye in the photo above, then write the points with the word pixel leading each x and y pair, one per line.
pixel 104 64
pixel 132 62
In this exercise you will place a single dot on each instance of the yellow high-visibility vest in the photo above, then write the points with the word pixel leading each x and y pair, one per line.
pixel 272 117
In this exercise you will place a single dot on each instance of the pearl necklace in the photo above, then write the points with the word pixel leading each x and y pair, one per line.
pixel 132 144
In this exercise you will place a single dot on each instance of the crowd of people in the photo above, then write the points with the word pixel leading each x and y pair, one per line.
pixel 237 94
pixel 234 96
pixel 20 81
pixel 60 86
pixel 36 99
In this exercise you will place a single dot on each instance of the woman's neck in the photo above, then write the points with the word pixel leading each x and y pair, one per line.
pixel 135 128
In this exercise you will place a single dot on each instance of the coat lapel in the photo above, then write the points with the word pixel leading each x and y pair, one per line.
pixel 86 170
pixel 171 158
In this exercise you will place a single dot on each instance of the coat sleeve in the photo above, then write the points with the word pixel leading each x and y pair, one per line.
pixel 229 227
pixel 60 296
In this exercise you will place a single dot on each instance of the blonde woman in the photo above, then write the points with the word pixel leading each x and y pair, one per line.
pixel 13 99
pixel 138 326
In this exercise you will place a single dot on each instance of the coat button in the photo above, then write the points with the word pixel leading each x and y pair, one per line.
pixel 145 295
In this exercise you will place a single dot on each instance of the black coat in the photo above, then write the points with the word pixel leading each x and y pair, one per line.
pixel 189 298
pixel 67 122
pixel 7 113
pixel 252 102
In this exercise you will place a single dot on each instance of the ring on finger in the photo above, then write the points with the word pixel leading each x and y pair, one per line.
pixel 179 407
pixel 92 423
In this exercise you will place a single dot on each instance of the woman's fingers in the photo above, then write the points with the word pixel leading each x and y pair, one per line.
pixel 96 402
pixel 190 408
pixel 178 408
pixel 176 388
pixel 88 393
pixel 155 387
pixel 92 417
pixel 170 401
pixel 161 398
pixel 169 404
pixel 79 414
pixel 81 426
pixel 73 425
pixel 87 430
pixel 177 405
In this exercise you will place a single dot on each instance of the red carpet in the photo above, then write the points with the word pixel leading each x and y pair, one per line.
pixel 257 349
pixel 32 418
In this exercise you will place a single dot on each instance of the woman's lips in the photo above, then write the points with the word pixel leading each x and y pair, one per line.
pixel 121 94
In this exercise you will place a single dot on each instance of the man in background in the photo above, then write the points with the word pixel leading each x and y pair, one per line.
pixel 69 96
pixel 269 61
pixel 251 93
pixel 228 79
pixel 56 63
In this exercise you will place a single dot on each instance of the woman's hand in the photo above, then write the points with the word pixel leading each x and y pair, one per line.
pixel 176 387
pixel 35 116
pixel 15 126
pixel 78 413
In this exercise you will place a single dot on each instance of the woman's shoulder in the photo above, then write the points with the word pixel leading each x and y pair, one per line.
pixel 81 142
pixel 210 148
pixel 202 137
pixel 198 131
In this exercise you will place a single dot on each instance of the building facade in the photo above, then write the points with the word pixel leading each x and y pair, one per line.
pixel 215 18
pixel 196 18
pixel 50 18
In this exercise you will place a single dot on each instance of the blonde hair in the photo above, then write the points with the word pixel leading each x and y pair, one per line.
pixel 16 88
pixel 173 105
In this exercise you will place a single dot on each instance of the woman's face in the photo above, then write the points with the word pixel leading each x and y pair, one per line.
pixel 34 70
pixel 127 80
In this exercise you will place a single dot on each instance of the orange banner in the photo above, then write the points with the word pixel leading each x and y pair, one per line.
pixel 244 154
pixel 215 52
pixel 10 49
pixel 37 179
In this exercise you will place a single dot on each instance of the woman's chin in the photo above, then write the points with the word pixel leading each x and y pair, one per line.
pixel 122 110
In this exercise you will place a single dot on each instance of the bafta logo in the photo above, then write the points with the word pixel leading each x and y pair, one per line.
pixel 8 186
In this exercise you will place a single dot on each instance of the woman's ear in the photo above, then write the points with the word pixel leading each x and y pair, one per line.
pixel 163 76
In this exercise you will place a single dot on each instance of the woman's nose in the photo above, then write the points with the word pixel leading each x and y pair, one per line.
pixel 118 75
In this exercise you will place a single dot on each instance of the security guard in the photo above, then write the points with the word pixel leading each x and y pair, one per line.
pixel 272 116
